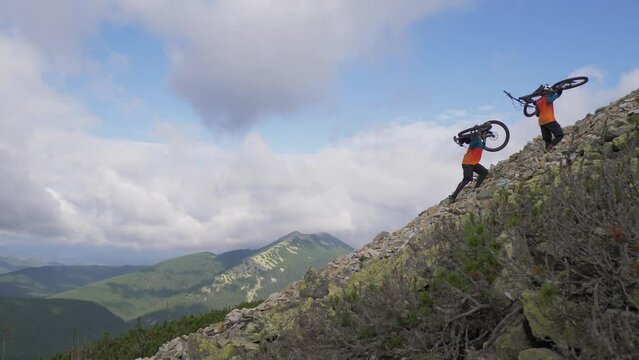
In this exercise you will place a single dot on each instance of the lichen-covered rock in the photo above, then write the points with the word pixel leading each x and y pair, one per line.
pixel 552 318
pixel 539 354
pixel 313 285
pixel 512 341
pixel 228 351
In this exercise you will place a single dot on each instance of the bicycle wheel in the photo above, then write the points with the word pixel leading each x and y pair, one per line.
pixel 497 137
pixel 570 83
pixel 530 110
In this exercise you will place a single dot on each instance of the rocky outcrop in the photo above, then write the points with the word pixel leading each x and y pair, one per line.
pixel 610 128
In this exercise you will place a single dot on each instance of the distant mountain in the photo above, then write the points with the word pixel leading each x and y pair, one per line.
pixel 273 267
pixel 10 263
pixel 38 328
pixel 269 269
pixel 200 282
pixel 45 281
pixel 132 295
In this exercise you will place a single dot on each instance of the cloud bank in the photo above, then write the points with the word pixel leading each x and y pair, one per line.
pixel 64 185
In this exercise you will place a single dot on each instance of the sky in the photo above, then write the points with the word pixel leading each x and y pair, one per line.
pixel 137 130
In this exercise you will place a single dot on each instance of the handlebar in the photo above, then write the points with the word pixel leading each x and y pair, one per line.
pixel 527 99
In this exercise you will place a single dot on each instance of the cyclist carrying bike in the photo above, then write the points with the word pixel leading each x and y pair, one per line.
pixel 551 131
pixel 471 164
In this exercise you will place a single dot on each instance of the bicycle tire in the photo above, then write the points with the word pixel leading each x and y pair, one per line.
pixel 570 83
pixel 533 113
pixel 506 137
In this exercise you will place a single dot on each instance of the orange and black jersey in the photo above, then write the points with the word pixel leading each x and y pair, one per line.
pixel 475 150
pixel 546 108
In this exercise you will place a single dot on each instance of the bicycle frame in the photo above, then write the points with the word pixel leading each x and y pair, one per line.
pixel 482 130
pixel 528 101
pixel 487 132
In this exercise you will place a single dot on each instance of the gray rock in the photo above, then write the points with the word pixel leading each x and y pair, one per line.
pixel 234 316
pixel 315 286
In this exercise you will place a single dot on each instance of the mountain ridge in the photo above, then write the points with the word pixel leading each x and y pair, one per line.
pixel 48 280
pixel 174 287
pixel 610 128
pixel 12 263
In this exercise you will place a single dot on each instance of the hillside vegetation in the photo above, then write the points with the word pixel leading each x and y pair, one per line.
pixel 541 263
pixel 38 328
pixel 141 341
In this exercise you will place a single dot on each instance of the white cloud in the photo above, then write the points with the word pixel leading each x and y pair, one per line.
pixel 61 184
pixel 235 60
pixel 157 195
pixel 28 109
pixel 56 26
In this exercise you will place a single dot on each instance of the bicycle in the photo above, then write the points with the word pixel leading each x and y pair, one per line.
pixel 528 101
pixel 495 132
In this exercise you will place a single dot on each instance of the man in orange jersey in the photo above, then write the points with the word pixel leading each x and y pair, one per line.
pixel 549 126
pixel 471 164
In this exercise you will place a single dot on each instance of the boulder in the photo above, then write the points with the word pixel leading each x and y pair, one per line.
pixel 512 341
pixel 539 354
pixel 552 319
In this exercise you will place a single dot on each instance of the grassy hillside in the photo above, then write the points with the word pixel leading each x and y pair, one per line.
pixel 132 295
pixel 196 283
pixel 37 328
pixel 45 281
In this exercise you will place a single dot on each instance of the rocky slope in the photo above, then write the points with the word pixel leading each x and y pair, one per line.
pixel 610 128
